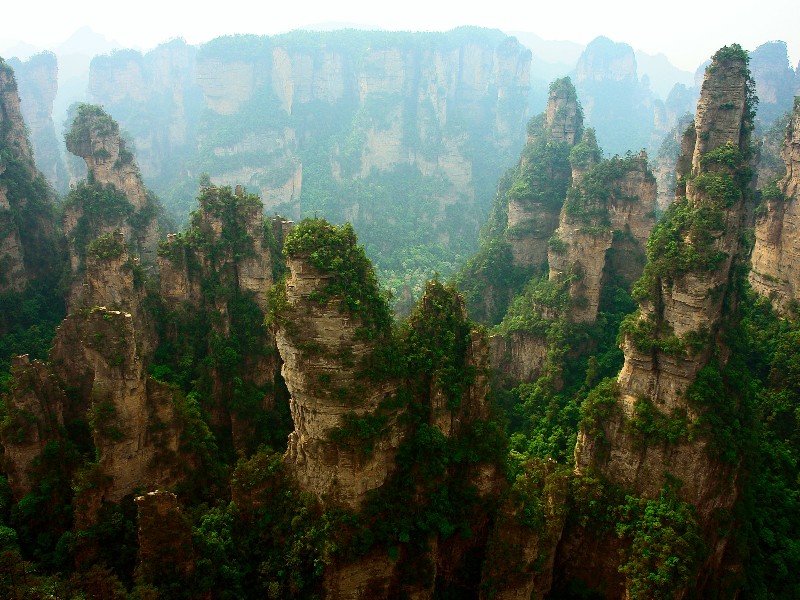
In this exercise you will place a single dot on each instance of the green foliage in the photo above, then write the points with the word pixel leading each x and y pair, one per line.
pixel 27 323
pixel 439 335
pixel 681 242
pixel 654 426
pixel 90 121
pixel 544 174
pixel 335 251
pixel 587 199
pixel 666 545
pixel 105 247
pixel 586 153
pixel 490 273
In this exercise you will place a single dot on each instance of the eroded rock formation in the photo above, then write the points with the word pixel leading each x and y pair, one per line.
pixel 535 198
pixel 609 208
pixel 677 329
pixel 113 198
pixel 324 349
pixel 776 254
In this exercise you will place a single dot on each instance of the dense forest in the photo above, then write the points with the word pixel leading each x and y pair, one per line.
pixel 595 397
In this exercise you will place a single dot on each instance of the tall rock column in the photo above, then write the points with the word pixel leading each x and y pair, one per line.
pixel 688 285
pixel 536 196
pixel 776 254
pixel 113 197
pixel 331 322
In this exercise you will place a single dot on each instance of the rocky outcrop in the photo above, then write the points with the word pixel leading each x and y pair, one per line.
pixel 678 326
pixel 776 253
pixel 28 245
pixel 536 196
pixel 518 355
pixel 161 83
pixel 522 548
pixel 322 357
pixel 216 268
pixel 608 209
pixel 616 104
pixel 35 416
pixel 135 421
pixel 113 198
pixel 38 84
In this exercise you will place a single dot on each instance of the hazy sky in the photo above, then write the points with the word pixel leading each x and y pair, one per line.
pixel 687 31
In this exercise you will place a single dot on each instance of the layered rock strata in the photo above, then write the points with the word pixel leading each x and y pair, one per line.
pixel 535 198
pixel 322 354
pixel 112 174
pixel 38 86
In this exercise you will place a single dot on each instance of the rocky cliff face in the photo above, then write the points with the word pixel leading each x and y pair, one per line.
pixel 387 131
pixel 681 298
pixel 776 253
pixel 160 84
pixel 214 271
pixel 610 208
pixel 28 246
pixel 38 84
pixel 615 103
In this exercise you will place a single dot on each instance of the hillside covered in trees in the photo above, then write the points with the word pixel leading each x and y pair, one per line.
pixel 600 402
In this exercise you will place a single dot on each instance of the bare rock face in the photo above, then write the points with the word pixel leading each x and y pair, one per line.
pixel 610 207
pixel 776 254
pixel 518 356
pixel 321 353
pixel 28 247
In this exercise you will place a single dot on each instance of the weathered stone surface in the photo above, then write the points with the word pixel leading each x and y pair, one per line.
pixel 135 423
pixel 685 302
pixel 518 356
pixel 321 355
pixel 28 248
pixel 520 556
pixel 776 254
pixel 531 223
pixel 95 137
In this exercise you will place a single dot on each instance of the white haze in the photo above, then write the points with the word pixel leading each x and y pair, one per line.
pixel 686 32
